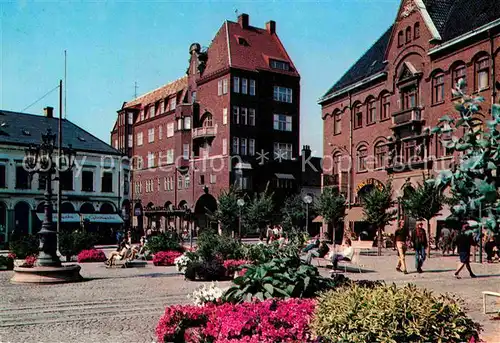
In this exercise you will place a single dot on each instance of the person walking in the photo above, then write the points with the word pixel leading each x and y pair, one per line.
pixel 420 244
pixel 400 237
pixel 445 240
pixel 464 241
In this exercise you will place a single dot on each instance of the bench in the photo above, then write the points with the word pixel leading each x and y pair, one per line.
pixel 492 294
pixel 358 246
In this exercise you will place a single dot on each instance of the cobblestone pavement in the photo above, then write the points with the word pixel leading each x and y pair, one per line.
pixel 118 305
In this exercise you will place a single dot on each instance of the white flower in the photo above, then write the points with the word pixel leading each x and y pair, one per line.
pixel 206 294
pixel 182 262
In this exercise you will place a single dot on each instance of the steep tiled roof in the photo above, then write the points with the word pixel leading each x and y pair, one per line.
pixel 24 129
pixel 452 18
pixel 369 64
pixel 218 57
pixel 159 93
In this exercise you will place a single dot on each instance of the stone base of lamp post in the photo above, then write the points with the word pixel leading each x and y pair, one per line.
pixel 60 274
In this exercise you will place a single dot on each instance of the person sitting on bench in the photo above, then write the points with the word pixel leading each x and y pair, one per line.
pixel 346 255
pixel 312 244
pixel 119 254
pixel 320 252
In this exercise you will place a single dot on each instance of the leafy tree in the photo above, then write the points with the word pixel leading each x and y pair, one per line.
pixel 377 206
pixel 259 212
pixel 331 205
pixel 227 213
pixel 293 212
pixel 424 203
pixel 473 180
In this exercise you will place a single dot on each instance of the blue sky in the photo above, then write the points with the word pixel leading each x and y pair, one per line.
pixel 111 45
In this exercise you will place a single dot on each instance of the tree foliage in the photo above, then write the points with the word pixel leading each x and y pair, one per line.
pixel 227 212
pixel 331 205
pixel 473 179
pixel 259 211
pixel 293 212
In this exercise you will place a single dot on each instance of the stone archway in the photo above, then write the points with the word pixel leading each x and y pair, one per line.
pixel 67 207
pixel 22 215
pixel 87 208
pixel 3 224
pixel 138 217
pixel 107 208
pixel 205 206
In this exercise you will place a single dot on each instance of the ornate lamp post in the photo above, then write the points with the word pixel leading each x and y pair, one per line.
pixel 42 160
pixel 240 203
pixel 307 200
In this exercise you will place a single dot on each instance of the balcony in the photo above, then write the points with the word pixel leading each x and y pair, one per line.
pixel 204 132
pixel 409 116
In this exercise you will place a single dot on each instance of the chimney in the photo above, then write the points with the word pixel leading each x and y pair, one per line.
pixel 49 112
pixel 306 151
pixel 243 20
pixel 271 27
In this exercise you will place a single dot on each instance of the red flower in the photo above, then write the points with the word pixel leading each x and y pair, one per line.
pixel 29 261
pixel 92 255
pixel 165 258
pixel 11 256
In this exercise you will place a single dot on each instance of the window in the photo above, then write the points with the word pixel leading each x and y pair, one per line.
pixel 170 156
pixel 438 88
pixel 409 98
pixel 151 160
pixel 224 146
pixel 244 86
pixel 409 150
pixel 3 180
pixel 187 181
pixel 115 144
pixel 219 87
pixel 282 94
pixel 160 132
pixel 126 184
pixel 380 151
pixel 87 181
pixel 179 124
pixel 358 116
pixel 236 84
pixel 400 38
pixel 213 178
pixel 66 180
pixel 130 118
pixel 482 70
pixel 139 138
pixel 408 35
pixel 141 115
pixel 236 145
pixel 251 147
pixel 185 151
pixel 42 182
pixel 207 121
pixel 151 135
pixel 416 31
pixel 282 122
pixel 459 72
pixel 187 123
pixel 244 117
pixel 170 129
pixel 386 107
pixel 165 184
pixel 251 116
pixel 193 97
pixel 130 140
pixel 282 151
pixel 22 178
pixel 107 182
pixel 252 87
pixel 336 123
pixel 224 86
pixel 372 111
pixel 280 65
pixel 179 182
pixel 224 116
pixel 236 115
pixel 362 157
pixel 243 146
pixel 173 103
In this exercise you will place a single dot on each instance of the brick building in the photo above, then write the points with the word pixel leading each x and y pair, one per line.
pixel 230 120
pixel 379 114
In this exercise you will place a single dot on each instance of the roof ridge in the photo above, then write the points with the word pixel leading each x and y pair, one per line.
pixel 156 89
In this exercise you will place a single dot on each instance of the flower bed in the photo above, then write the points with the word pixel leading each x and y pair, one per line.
pixel 29 262
pixel 166 258
pixel 91 255
pixel 233 265
pixel 267 322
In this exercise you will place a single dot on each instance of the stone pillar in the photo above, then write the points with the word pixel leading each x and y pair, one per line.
pixel 9 223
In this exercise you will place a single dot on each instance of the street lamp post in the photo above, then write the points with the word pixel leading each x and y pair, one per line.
pixel 240 204
pixel 40 159
pixel 307 199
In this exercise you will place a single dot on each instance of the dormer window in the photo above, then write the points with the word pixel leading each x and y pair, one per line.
pixel 281 65
pixel 243 41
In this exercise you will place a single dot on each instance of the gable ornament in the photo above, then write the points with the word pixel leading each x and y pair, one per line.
pixel 408 9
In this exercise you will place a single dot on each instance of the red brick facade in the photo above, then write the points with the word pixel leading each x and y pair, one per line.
pixel 400 102
pixel 239 70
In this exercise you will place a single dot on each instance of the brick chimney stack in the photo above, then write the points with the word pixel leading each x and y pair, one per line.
pixel 271 27
pixel 243 20
pixel 306 151
pixel 49 112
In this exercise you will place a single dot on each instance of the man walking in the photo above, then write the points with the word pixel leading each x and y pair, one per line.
pixel 464 241
pixel 400 237
pixel 420 244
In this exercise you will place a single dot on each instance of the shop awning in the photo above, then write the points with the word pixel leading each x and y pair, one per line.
pixel 65 217
pixel 103 218
pixel 284 176
pixel 355 214
pixel 318 219
pixel 243 165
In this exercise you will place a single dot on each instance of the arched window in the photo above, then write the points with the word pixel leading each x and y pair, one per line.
pixel 482 73
pixel 362 155
pixel 385 106
pixel 380 153
pixel 400 38
pixel 459 72
pixel 337 127
pixel 438 88
pixel 408 35
pixel 371 115
pixel 207 120
pixel 337 167
pixel 416 30
pixel 358 116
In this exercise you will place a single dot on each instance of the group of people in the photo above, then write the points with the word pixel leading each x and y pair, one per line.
pixel 320 249
pixel 126 250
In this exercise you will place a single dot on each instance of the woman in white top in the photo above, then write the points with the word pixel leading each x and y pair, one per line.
pixel 346 255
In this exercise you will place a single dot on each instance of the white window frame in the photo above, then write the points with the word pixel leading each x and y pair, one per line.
pixel 236 145
pixel 244 115
pixel 251 116
pixel 180 122
pixel 170 156
pixel 283 151
pixel 160 132
pixel 236 84
pixel 151 111
pixel 224 116
pixel 115 144
pixel 170 129
pixel 219 87
pixel 251 147
pixel 243 146
pixel 141 115
pixel 282 122
pixel 173 103
pixel 187 123
pixel 252 87
pixel 236 115
pixel 130 140
pixel 283 94
pixel 140 139
pixel 185 151
pixel 187 181
pixel 244 86
pixel 213 178
pixel 224 86
pixel 224 146
pixel 130 118
pixel 151 135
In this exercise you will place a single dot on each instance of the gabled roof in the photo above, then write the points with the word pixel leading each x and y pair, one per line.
pixel 23 129
pixel 159 93
pixel 451 18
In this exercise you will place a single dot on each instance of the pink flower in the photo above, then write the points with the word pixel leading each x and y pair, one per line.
pixel 165 258
pixel 232 265
pixel 29 261
pixel 11 256
pixel 92 255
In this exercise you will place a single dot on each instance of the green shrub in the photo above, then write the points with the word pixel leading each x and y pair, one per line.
pixel 391 314
pixel 24 246
pixel 72 243
pixel 212 245
pixel 280 278
pixel 211 270
pixel 6 263
pixel 261 253
pixel 164 242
